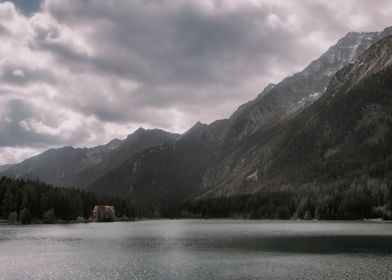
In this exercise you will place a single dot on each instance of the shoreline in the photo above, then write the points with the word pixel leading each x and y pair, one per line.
pixel 5 222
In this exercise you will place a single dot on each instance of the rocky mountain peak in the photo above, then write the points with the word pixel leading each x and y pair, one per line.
pixel 113 144
pixel 196 132
pixel 139 131
pixel 386 32
pixel 376 58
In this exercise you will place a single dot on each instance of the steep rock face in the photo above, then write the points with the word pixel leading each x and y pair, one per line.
pixel 279 101
pixel 367 64
pixel 78 167
pixel 342 136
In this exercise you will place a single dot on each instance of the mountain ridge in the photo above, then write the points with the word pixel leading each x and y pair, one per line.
pixel 264 138
pixel 77 167
pixel 290 94
pixel 343 125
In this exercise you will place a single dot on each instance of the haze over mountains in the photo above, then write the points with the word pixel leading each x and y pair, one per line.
pixel 328 123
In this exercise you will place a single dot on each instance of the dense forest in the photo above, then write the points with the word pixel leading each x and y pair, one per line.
pixel 30 201
pixel 343 200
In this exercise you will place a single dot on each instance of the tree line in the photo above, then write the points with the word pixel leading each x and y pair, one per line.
pixel 342 200
pixel 27 201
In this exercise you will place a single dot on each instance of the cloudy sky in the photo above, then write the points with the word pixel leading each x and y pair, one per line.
pixel 81 72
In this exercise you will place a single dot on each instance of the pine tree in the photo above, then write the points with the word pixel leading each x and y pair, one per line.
pixel 25 216
pixel 49 217
pixel 12 218
pixel 7 204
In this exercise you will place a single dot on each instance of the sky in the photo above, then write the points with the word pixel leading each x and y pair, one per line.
pixel 82 72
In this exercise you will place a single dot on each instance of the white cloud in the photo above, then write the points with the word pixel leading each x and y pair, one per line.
pixel 14 155
pixel 18 73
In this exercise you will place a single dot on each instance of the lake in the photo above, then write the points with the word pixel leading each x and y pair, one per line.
pixel 198 249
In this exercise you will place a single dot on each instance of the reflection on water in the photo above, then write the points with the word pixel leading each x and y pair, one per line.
pixel 198 249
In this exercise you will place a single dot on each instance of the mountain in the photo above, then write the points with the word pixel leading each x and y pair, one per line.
pixel 350 126
pixel 166 172
pixel 78 167
pixel 317 132
pixel 277 102
pixel 343 137
pixel 206 162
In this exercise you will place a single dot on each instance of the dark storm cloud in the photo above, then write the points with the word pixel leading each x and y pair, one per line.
pixel 164 43
pixel 179 52
pixel 83 72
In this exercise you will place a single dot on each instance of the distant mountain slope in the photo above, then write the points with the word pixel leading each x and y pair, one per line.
pixel 345 135
pixel 4 167
pixel 279 101
pixel 78 167
pixel 165 172
pixel 351 127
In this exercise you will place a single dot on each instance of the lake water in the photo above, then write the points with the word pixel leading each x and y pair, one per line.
pixel 198 249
